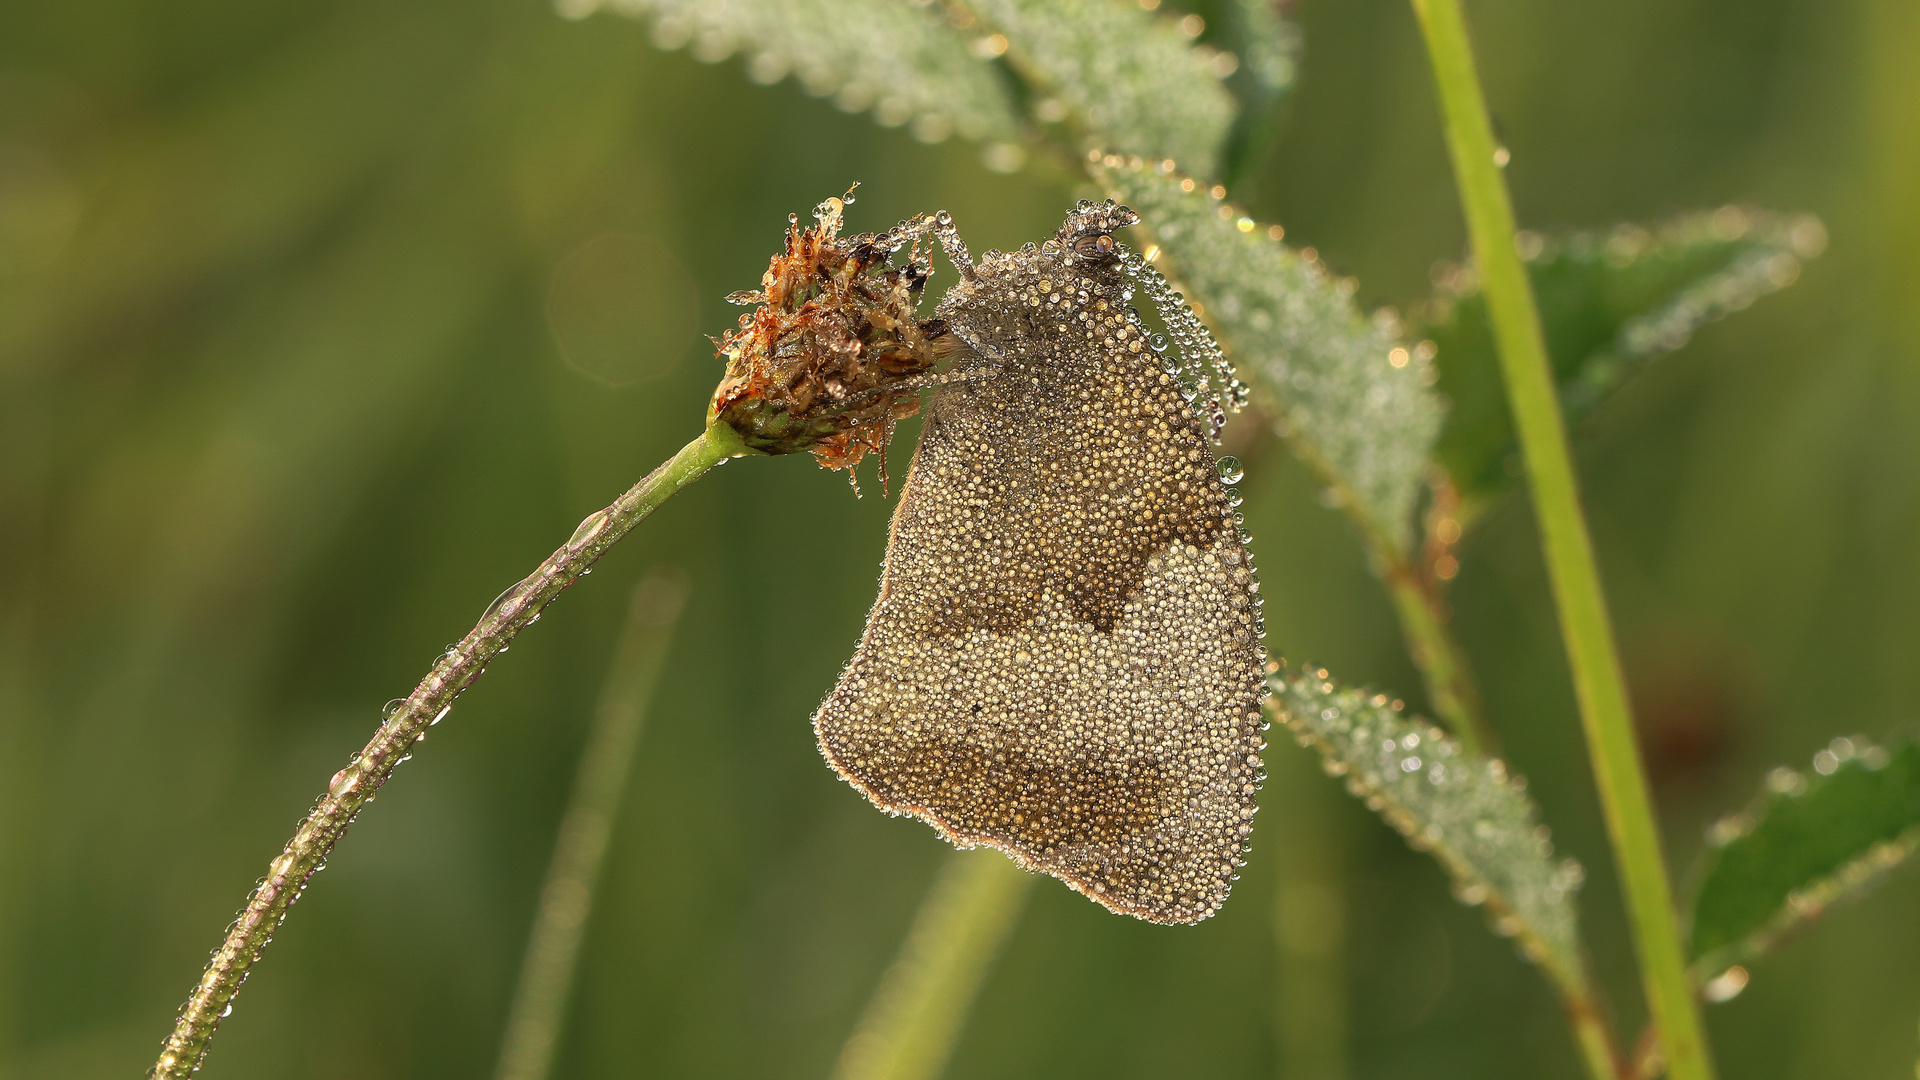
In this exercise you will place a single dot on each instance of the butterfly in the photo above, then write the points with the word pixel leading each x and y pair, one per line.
pixel 1065 659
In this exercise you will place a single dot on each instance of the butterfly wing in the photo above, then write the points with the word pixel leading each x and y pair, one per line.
pixel 1063 662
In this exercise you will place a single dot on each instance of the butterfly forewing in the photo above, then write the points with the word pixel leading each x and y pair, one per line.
pixel 1063 661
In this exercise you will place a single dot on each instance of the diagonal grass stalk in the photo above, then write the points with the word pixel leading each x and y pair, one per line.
pixel 914 1019
pixel 540 1000
pixel 1598 682
pixel 354 786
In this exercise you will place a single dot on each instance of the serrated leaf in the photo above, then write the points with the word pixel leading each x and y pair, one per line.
pixel 1348 398
pixel 1810 842
pixel 1133 79
pixel 1609 303
pixel 1466 811
pixel 904 62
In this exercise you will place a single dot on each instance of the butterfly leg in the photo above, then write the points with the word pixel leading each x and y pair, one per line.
pixel 940 226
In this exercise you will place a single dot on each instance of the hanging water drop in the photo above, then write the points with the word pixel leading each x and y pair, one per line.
pixel 1230 469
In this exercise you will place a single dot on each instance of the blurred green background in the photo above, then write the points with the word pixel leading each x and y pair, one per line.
pixel 322 321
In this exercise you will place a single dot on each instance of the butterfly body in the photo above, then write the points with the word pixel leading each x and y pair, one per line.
pixel 1063 662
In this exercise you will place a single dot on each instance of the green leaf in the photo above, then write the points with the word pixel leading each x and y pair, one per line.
pixel 904 62
pixel 1269 45
pixel 1134 80
pixel 1609 303
pixel 1346 396
pixel 1468 812
pixel 1266 59
pixel 1121 76
pixel 1808 843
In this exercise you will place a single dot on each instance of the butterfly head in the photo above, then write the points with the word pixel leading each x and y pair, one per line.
pixel 1086 239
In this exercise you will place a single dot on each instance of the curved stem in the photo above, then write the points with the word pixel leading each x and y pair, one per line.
pixel 354 786
pixel 1584 624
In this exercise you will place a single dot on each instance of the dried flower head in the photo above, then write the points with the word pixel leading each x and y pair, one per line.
pixel 827 360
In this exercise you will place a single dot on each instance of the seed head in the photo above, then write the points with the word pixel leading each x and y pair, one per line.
pixel 822 363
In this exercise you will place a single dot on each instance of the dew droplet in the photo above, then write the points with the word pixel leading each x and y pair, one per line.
pixel 1725 986
pixel 1158 342
pixel 1230 469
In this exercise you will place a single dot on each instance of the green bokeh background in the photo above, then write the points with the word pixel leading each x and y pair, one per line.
pixel 307 314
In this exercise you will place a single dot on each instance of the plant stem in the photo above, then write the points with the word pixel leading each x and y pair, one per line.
pixel 566 899
pixel 354 786
pixel 1598 682
pixel 910 1026
pixel 1593 1037
pixel 1443 665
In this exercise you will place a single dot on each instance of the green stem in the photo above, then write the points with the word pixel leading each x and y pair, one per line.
pixel 1443 665
pixel 1591 655
pixel 354 786
pixel 1593 1037
pixel 559 923
pixel 914 1019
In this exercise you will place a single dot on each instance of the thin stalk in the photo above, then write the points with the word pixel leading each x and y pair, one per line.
pixel 1443 664
pixel 566 899
pixel 1451 691
pixel 354 786
pixel 1598 682
pixel 1594 1038
pixel 909 1028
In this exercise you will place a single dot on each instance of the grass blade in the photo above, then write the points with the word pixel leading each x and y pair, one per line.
pixel 540 999
pixel 1584 624
pixel 909 1028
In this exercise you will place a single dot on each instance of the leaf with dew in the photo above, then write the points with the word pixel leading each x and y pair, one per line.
pixel 905 63
pixel 1808 843
pixel 1269 44
pixel 1609 303
pixel 1261 68
pixel 1348 397
pixel 1468 812
pixel 1132 79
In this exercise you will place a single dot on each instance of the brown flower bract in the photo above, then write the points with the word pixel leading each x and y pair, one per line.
pixel 822 363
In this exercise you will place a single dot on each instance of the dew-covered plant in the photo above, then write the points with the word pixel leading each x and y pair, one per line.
pixel 1415 422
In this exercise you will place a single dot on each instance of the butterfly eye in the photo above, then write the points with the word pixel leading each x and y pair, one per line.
pixel 1094 248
